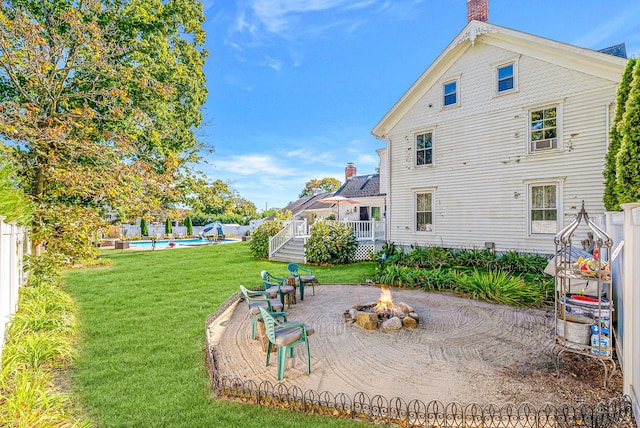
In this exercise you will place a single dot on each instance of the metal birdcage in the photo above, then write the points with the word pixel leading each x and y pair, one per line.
pixel 583 297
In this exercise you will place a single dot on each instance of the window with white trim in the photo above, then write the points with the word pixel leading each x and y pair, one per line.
pixel 506 77
pixel 543 208
pixel 543 128
pixel 424 148
pixel 424 212
pixel 450 93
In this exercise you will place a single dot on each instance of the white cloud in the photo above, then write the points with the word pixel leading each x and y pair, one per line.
pixel 252 164
pixel 276 14
pixel 273 63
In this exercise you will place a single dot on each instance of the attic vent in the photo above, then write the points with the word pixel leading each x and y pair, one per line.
pixel 549 143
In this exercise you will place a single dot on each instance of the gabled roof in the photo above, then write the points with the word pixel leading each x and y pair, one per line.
pixel 572 57
pixel 360 186
pixel 616 50
pixel 309 202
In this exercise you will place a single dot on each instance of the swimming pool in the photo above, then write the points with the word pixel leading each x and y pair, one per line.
pixel 165 243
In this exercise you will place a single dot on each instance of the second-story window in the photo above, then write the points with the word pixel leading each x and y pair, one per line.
pixel 543 131
pixel 424 149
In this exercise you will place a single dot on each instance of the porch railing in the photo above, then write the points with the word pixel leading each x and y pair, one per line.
pixel 292 228
pixel 372 230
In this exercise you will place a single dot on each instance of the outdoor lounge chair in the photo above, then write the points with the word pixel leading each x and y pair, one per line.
pixel 276 286
pixel 285 336
pixel 260 299
pixel 309 278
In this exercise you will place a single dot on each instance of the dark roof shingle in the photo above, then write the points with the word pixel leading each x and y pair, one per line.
pixel 360 186
pixel 619 50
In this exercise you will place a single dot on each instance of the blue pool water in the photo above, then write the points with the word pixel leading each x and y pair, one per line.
pixel 164 243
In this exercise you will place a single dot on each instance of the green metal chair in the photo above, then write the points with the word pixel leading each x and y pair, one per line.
pixel 285 336
pixel 307 278
pixel 276 286
pixel 260 299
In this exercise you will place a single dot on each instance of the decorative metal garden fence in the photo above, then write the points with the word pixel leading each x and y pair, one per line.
pixel 378 409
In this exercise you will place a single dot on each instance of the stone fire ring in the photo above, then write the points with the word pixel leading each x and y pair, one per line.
pixel 459 351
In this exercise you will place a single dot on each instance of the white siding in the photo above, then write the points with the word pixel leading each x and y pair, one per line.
pixel 481 159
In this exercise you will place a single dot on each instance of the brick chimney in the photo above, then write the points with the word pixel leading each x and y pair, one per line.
pixel 478 10
pixel 349 171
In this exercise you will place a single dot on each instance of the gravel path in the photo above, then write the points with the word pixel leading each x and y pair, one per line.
pixel 463 350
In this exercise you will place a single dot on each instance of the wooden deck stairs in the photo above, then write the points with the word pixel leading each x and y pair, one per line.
pixel 292 251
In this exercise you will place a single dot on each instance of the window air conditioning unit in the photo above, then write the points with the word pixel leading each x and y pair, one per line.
pixel 550 143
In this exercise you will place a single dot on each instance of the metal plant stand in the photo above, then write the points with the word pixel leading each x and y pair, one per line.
pixel 583 297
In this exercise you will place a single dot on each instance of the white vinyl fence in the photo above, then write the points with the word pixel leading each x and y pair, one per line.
pixel 129 230
pixel 624 229
pixel 14 244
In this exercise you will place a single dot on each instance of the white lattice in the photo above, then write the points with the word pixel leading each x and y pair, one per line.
pixel 364 251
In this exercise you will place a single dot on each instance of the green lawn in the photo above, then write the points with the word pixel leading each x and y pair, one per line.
pixel 142 337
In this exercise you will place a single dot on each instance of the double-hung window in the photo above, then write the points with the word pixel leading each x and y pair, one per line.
pixel 450 93
pixel 506 78
pixel 543 208
pixel 424 212
pixel 543 128
pixel 424 148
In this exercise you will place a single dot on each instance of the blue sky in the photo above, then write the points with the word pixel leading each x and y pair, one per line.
pixel 295 86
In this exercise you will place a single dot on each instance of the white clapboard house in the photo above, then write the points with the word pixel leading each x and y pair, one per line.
pixel 499 141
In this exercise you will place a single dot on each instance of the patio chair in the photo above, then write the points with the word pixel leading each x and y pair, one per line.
pixel 285 336
pixel 276 286
pixel 260 299
pixel 308 278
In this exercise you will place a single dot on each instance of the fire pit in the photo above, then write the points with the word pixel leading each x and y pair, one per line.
pixel 383 313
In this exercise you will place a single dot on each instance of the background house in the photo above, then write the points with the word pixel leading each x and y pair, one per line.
pixel 365 190
pixel 310 207
pixel 499 140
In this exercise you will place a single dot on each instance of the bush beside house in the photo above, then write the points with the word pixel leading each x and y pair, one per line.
pixel 259 244
pixel 331 243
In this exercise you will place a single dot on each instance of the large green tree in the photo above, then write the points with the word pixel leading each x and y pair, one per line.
pixel 628 156
pixel 327 184
pixel 14 204
pixel 610 196
pixel 99 102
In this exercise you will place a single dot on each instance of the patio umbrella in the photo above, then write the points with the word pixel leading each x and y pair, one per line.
pixel 337 200
pixel 212 226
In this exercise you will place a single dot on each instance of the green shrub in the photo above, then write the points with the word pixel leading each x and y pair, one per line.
pixel 439 279
pixel 40 344
pixel 479 258
pixel 395 275
pixel 259 244
pixel 430 257
pixel 500 287
pixel 167 226
pixel 331 242
pixel 513 261
pixel 188 223
pixel 144 229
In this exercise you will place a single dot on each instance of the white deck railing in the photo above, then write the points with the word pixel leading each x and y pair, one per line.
pixel 367 230
pixel 292 228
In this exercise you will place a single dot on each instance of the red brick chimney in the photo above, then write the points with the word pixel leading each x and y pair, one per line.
pixel 349 171
pixel 478 10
